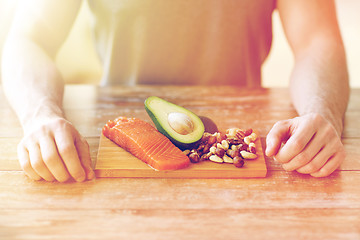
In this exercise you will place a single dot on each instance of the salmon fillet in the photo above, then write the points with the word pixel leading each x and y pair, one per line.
pixel 146 143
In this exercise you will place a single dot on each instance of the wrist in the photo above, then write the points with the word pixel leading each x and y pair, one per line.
pixel 44 111
pixel 335 120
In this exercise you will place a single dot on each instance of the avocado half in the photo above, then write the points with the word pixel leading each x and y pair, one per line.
pixel 181 126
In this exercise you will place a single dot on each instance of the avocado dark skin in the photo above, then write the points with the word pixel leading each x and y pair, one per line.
pixel 209 125
pixel 183 127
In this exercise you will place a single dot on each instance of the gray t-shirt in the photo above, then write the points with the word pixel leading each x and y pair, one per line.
pixel 182 41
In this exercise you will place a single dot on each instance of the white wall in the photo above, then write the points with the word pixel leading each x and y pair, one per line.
pixel 77 59
pixel 7 9
pixel 78 62
pixel 277 68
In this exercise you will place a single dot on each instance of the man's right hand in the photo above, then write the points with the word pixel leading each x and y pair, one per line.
pixel 54 150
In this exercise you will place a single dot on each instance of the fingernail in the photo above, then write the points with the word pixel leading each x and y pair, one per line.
pixel 268 149
pixel 80 179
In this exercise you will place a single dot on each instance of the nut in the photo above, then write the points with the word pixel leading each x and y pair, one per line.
pixel 242 147
pixel 218 145
pixel 240 134
pixel 194 157
pixel 225 144
pixel 205 157
pixel 213 150
pixel 200 147
pixel 205 137
pixel 186 152
pixel 231 132
pixel 220 152
pixel 233 141
pixel 212 140
pixel 232 153
pixel 206 149
pixel 247 140
pixel 234 147
pixel 252 148
pixel 248 155
pixel 238 162
pixel 248 132
pixel 220 137
pixel 253 137
pixel 227 159
pixel 215 158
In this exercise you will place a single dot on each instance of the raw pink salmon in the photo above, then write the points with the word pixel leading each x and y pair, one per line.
pixel 146 143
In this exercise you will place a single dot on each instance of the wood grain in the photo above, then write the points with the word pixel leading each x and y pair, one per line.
pixel 113 161
pixel 9 160
pixel 158 224
pixel 283 205
pixel 280 190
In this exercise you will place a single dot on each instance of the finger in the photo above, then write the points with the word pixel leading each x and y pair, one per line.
pixel 37 163
pixel 331 165
pixel 275 137
pixel 296 143
pixel 52 159
pixel 25 164
pixel 84 154
pixel 319 160
pixel 306 155
pixel 69 155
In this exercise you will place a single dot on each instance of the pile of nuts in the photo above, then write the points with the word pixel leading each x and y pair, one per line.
pixel 233 147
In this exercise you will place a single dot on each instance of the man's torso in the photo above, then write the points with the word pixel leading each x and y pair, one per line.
pixel 182 42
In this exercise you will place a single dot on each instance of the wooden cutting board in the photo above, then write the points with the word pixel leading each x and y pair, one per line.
pixel 113 161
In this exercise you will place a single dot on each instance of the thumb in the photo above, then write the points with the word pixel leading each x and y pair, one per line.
pixel 278 134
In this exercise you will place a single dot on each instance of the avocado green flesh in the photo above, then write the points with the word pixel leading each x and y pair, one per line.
pixel 159 110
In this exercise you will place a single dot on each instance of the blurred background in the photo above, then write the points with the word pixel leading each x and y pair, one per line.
pixel 78 62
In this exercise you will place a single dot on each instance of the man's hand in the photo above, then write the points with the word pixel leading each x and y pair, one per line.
pixel 311 145
pixel 54 150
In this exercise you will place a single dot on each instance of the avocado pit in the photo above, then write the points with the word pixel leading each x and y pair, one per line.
pixel 180 123
pixel 183 127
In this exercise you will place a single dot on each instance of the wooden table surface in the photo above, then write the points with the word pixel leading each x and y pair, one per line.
pixel 281 206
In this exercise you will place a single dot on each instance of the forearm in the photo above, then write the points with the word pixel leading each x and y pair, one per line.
pixel 319 82
pixel 31 81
